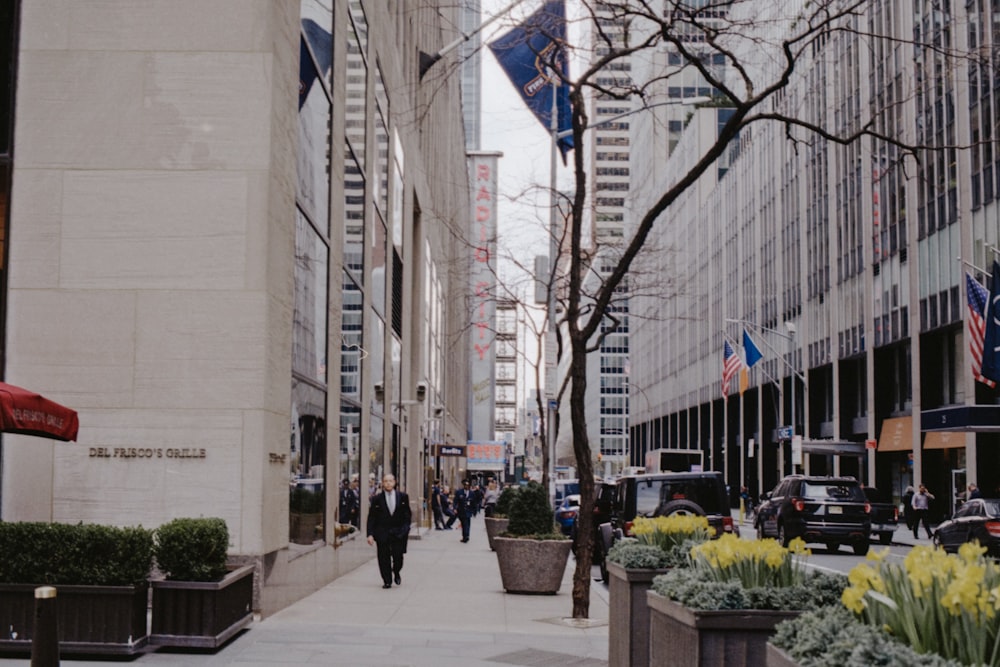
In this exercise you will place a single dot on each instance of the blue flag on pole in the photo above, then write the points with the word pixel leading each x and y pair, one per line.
pixel 528 54
pixel 752 352
pixel 991 338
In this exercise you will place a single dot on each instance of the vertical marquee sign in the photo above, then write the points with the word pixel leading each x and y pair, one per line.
pixel 482 273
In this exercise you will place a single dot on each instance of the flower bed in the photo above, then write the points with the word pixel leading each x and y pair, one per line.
pixel 934 602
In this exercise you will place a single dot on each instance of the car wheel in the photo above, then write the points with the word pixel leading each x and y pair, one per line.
pixel 885 538
pixel 860 548
pixel 681 507
pixel 783 536
pixel 833 547
pixel 603 563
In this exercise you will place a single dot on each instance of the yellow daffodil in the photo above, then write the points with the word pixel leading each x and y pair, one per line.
pixel 936 602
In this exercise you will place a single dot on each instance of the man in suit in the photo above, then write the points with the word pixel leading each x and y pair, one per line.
pixel 464 507
pixel 389 527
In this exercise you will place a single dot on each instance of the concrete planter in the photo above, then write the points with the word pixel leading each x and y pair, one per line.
pixel 495 526
pixel 778 658
pixel 92 620
pixel 682 636
pixel 202 614
pixel 628 615
pixel 532 567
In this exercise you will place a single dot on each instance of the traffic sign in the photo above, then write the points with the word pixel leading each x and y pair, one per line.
pixel 785 433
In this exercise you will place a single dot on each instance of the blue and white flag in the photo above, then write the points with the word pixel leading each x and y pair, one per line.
pixel 750 349
pixel 991 337
pixel 533 55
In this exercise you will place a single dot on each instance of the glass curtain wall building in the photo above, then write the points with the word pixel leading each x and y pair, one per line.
pixel 861 251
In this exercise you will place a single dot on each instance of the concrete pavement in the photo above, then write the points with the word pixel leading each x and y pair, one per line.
pixel 450 611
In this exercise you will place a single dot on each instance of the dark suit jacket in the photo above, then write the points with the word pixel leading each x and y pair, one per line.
pixel 382 525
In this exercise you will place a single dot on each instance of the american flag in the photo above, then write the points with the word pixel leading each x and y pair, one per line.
pixel 731 365
pixel 977 297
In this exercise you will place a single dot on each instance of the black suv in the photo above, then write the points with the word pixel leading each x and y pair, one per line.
pixel 830 510
pixel 604 507
pixel 663 494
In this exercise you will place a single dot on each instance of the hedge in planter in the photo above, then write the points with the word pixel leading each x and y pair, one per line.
pixel 532 555
pixel 632 566
pixel 201 604
pixel 832 637
pixel 100 574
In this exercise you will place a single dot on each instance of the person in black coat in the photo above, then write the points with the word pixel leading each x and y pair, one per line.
pixel 348 503
pixel 464 506
pixel 389 527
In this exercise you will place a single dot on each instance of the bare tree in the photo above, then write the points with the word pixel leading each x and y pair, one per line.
pixel 756 56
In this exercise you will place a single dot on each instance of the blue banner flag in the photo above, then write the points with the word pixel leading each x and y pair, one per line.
pixel 753 354
pixel 528 54
pixel 991 337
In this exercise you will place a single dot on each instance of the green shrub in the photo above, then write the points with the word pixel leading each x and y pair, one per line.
pixel 632 555
pixel 530 513
pixel 84 554
pixel 304 501
pixel 503 502
pixel 192 549
pixel 697 590
pixel 833 637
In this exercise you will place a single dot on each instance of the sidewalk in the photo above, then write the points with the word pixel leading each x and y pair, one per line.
pixel 450 611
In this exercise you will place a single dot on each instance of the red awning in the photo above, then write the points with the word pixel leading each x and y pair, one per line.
pixel 23 411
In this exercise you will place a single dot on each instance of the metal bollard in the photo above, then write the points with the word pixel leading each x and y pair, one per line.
pixel 45 640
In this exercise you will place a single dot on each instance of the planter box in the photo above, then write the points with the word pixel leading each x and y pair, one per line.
pixel 778 658
pixel 628 615
pixel 532 567
pixel 494 527
pixel 92 620
pixel 682 636
pixel 202 614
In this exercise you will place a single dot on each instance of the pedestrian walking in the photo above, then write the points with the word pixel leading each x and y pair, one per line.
pixel 388 528
pixel 921 504
pixel 463 507
pixel 446 507
pixel 348 503
pixel 490 498
pixel 436 505
pixel 476 497
pixel 908 512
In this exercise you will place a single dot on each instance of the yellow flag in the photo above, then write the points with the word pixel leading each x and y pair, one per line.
pixel 744 380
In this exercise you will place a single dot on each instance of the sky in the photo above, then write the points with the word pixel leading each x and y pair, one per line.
pixel 508 126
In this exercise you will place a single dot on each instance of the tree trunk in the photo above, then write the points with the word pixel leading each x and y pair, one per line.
pixel 585 470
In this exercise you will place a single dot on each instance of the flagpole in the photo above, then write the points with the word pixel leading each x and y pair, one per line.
pixel 428 60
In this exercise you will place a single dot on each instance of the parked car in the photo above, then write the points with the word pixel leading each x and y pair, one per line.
pixel 664 494
pixel 563 488
pixel 884 515
pixel 829 510
pixel 566 513
pixel 977 519
pixel 604 500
